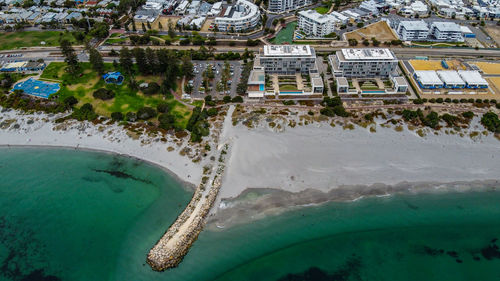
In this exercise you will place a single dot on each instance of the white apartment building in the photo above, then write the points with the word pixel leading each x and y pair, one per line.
pixel 446 31
pixel 281 6
pixel 363 63
pixel 413 30
pixel 287 59
pixel 243 16
pixel 315 24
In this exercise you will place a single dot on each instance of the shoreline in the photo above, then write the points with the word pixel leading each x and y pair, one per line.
pixel 186 184
pixel 18 129
pixel 258 203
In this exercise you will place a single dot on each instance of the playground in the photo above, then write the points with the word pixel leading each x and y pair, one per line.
pixel 37 88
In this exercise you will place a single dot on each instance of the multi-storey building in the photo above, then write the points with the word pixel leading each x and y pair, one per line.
pixel 446 31
pixel 243 16
pixel 281 6
pixel 363 63
pixel 413 30
pixel 315 24
pixel 287 59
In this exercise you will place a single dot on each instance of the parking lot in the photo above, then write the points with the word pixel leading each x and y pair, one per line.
pixel 217 66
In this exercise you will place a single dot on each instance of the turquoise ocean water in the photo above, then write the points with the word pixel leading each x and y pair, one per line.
pixel 73 215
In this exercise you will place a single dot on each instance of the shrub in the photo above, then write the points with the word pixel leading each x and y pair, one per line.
pixel 449 119
pixel 409 114
pixel 448 100
pixel 237 99
pixel 146 112
pixel 418 101
pixel 226 99
pixel 162 107
pixel 470 100
pixel 491 122
pixel 131 116
pixel 439 100
pixel 455 101
pixel 167 121
pixel 117 116
pixel 498 106
pixel 479 101
pixel 340 111
pixel 289 102
pixel 86 112
pixel 463 100
pixel 212 111
pixel 432 100
pixel 103 94
pixel 468 114
pixel 70 101
pixel 152 89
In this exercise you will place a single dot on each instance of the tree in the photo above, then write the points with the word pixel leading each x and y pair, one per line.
pixel 353 42
pixel 188 88
pixel 143 27
pixel 96 61
pixel 126 60
pixel 146 112
pixel 187 67
pixel 152 60
pixel 69 56
pixel 140 60
pixel 225 76
pixel 70 101
pixel 160 26
pixel 171 29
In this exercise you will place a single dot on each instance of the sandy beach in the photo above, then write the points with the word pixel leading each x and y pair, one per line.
pixel 40 130
pixel 317 163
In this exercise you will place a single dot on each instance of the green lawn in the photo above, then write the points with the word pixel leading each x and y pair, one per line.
pixel 322 10
pixel 285 34
pixel 126 99
pixel 288 87
pixel 14 40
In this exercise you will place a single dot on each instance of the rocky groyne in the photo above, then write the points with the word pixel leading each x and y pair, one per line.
pixel 175 243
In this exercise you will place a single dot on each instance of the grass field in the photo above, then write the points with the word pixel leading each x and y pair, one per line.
pixel 116 38
pixel 322 10
pixel 285 35
pixel 126 99
pixel 379 30
pixel 14 40
pixel 489 67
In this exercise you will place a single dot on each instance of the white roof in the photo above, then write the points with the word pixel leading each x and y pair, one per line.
pixel 368 54
pixel 472 77
pixel 317 17
pixel 414 25
pixel 447 26
pixel 450 77
pixel 287 50
pixel 465 29
pixel 428 77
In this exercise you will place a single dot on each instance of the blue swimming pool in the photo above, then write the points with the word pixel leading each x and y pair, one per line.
pixel 291 93
pixel 261 87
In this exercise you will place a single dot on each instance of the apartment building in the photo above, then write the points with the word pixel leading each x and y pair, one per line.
pixel 287 59
pixel 413 30
pixel 363 63
pixel 315 24
pixel 243 16
pixel 281 6
pixel 446 31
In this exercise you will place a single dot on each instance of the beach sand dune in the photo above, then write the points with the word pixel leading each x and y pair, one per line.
pixel 324 157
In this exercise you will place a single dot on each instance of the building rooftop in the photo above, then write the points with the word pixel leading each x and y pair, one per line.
pixel 368 54
pixel 287 50
pixel 428 77
pixel 317 17
pixel 342 82
pixel 450 77
pixel 447 26
pixel 415 25
pixel 472 77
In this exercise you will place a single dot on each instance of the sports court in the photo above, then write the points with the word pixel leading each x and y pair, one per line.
pixel 37 88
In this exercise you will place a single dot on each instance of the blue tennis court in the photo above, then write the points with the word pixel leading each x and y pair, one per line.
pixel 37 88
